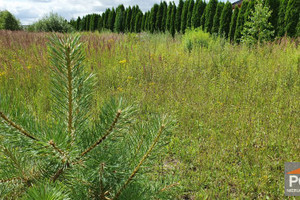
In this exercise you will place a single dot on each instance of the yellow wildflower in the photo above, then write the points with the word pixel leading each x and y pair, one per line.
pixel 152 83
pixel 29 67
pixel 123 61
pixel 120 89
pixel 2 73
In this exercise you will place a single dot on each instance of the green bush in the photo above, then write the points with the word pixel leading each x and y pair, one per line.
pixel 8 21
pixel 51 23
pixel 194 38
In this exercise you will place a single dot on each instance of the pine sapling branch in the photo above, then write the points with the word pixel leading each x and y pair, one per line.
pixel 19 128
pixel 134 172
pixel 70 95
pixel 58 150
pixel 105 135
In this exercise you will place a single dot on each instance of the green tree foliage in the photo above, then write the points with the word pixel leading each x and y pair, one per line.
pixel 258 29
pixel 184 16
pixel 164 18
pixel 100 23
pixel 128 18
pixel 105 18
pixel 111 19
pixel 153 15
pixel 202 20
pixel 8 21
pixel 52 23
pixel 178 16
pixel 274 7
pixel 225 20
pixel 138 22
pixel 216 22
pixel 292 17
pixel 233 23
pixel 169 13
pixel 281 18
pixel 240 22
pixel 118 27
pixel 173 17
pixel 209 15
pixel 190 14
pixel 159 17
pixel 78 24
pixel 73 155
pixel 197 13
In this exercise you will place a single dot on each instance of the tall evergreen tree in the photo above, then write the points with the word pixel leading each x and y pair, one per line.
pixel 209 15
pixel 250 9
pixel 274 7
pixel 173 17
pixel 143 22
pixel 118 27
pixel 8 21
pixel 281 18
pixel 202 20
pixel 216 22
pixel 197 13
pixel 87 23
pixel 233 23
pixel 100 24
pixel 184 16
pixel 111 20
pixel 92 22
pixel 190 14
pixel 134 12
pixel 128 18
pixel 105 18
pixel 178 15
pixel 164 18
pixel 169 13
pixel 153 14
pixel 138 22
pixel 225 20
pixel 292 17
pixel 240 22
pixel 159 17
pixel 78 23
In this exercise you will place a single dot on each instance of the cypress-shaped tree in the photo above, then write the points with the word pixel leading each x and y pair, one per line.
pixel 216 22
pixel 164 18
pixel 190 14
pixel 100 24
pixel 274 7
pixel 128 18
pixel 78 23
pixel 178 15
pixel 202 20
pixel 133 17
pixel 292 17
pixel 92 22
pixel 233 23
pixel 153 14
pixel 240 22
pixel 250 9
pixel 118 27
pixel 209 15
pixel 184 16
pixel 159 17
pixel 105 19
pixel 169 13
pixel 225 20
pixel 197 13
pixel 111 20
pixel 138 22
pixel 173 17
pixel 143 22
pixel 87 23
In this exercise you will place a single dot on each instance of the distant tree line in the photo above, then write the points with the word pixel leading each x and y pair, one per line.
pixel 214 17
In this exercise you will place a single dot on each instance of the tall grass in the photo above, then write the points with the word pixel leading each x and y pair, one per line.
pixel 238 109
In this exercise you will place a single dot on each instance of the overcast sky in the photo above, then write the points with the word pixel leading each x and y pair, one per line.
pixel 29 11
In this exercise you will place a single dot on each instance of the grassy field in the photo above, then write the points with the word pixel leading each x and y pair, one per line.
pixel 238 109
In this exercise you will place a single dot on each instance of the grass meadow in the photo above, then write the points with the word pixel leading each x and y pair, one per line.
pixel 237 108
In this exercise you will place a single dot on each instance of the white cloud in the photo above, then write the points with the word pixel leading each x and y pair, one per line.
pixel 29 11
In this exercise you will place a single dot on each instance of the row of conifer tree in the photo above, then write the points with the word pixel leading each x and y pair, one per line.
pixel 214 17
